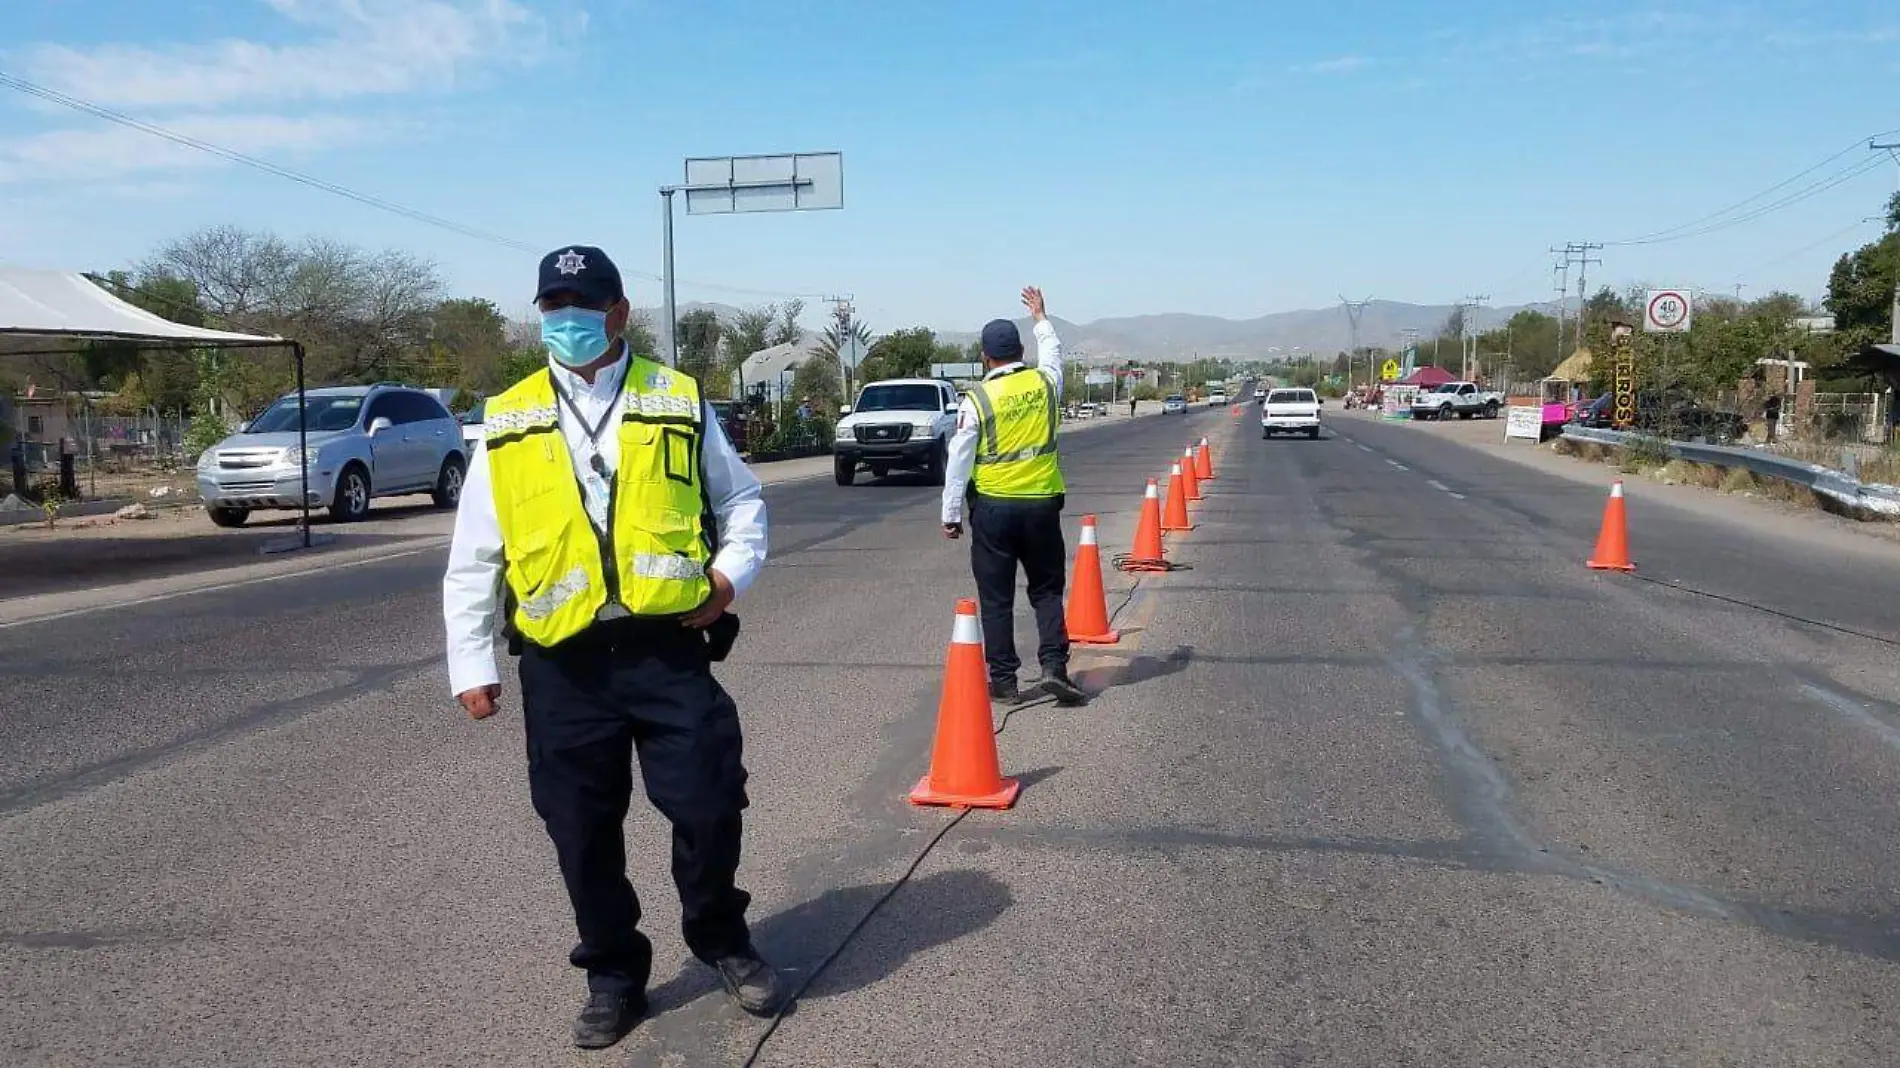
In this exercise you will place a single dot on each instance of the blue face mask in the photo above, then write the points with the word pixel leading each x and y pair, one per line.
pixel 575 337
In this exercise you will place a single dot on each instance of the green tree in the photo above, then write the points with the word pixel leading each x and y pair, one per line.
pixel 903 354
pixel 832 342
pixel 639 336
pixel 750 331
pixel 817 380
pixel 785 330
pixel 468 338
pixel 699 332
pixel 1860 293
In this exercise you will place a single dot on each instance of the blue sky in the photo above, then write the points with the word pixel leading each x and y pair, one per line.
pixel 1222 158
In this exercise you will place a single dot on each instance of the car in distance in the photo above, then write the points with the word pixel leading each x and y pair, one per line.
pixel 1174 405
pixel 1216 397
pixel 359 443
pixel 900 423
pixel 1290 411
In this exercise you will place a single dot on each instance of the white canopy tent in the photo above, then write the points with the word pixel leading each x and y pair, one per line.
pixel 64 306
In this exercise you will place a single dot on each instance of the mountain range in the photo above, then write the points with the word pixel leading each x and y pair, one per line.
pixel 1182 337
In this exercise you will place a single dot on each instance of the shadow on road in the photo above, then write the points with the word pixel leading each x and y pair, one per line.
pixel 930 911
pixel 1098 678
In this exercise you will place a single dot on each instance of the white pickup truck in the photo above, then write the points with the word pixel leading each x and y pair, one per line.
pixel 1463 399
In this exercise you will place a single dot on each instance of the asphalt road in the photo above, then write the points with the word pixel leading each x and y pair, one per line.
pixel 1384 776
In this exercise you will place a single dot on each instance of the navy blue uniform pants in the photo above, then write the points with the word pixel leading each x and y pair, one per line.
pixel 591 704
pixel 1003 534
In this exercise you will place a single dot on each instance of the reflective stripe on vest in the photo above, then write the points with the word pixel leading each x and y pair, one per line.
pixel 651 561
pixel 1016 418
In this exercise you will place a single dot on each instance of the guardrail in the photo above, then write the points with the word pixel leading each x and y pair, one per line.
pixel 1860 499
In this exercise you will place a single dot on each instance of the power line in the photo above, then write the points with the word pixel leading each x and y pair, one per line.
pixel 1708 224
pixel 1786 256
pixel 53 96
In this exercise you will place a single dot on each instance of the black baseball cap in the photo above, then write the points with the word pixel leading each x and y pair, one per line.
pixel 582 270
pixel 1001 341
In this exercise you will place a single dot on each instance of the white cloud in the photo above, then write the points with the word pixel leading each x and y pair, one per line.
pixel 109 152
pixel 1340 65
pixel 356 48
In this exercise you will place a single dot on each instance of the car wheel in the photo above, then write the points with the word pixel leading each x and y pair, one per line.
pixel 448 483
pixel 844 470
pixel 228 517
pixel 1313 434
pixel 938 462
pixel 352 495
pixel 1490 411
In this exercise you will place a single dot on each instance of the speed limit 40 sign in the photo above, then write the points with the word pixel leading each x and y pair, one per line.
pixel 1667 311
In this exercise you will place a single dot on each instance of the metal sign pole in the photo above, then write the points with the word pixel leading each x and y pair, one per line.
pixel 666 283
pixel 729 185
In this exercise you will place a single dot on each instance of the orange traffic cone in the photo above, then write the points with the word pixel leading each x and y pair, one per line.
pixel 1087 620
pixel 1613 540
pixel 963 769
pixel 1204 463
pixel 1148 553
pixel 1188 464
pixel 1175 516
pixel 1236 413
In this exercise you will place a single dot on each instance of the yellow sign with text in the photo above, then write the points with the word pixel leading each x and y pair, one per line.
pixel 1389 370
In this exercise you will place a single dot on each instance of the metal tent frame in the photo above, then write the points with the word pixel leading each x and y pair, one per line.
pixel 182 337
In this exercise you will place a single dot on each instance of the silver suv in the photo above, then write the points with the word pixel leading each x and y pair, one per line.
pixel 363 442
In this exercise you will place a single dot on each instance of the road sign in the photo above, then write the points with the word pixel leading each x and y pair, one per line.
pixel 1389 370
pixel 1667 311
pixel 956 370
pixel 725 185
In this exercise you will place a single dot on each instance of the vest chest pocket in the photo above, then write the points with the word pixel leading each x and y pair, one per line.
pixel 679 459
pixel 650 454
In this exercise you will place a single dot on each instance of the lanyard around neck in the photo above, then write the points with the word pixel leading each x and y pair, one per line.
pixel 594 432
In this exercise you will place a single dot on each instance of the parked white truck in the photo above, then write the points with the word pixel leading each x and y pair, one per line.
pixel 1463 399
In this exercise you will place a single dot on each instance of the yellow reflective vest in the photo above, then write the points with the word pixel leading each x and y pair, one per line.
pixel 1016 420
pixel 651 560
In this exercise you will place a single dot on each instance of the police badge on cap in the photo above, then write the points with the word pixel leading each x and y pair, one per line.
pixel 584 271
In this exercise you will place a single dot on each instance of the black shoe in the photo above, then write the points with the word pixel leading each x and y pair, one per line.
pixel 1005 691
pixel 1060 686
pixel 751 982
pixel 606 1018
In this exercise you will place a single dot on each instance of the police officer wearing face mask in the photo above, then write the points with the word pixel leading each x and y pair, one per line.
pixel 607 505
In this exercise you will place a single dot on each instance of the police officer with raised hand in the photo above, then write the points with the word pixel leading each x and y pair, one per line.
pixel 609 503
pixel 1003 459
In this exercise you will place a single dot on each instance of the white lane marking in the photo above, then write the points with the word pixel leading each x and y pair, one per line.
pixel 1398 465
pixel 1441 487
pixel 240 583
pixel 1362 448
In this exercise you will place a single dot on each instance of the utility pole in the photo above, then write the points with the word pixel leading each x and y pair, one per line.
pixel 841 314
pixel 1468 356
pixel 1562 271
pixel 1354 309
pixel 1578 253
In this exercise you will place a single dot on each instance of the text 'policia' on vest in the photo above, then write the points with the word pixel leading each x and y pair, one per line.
pixel 651 559
pixel 1017 418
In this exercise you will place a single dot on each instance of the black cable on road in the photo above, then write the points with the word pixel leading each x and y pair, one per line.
pixel 916 862
pixel 1883 639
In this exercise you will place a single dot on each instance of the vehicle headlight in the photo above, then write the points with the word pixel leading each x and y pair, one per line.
pixel 299 454
pixel 207 459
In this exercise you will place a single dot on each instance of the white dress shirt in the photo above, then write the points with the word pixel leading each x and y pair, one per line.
pixel 471 589
pixel 956 472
